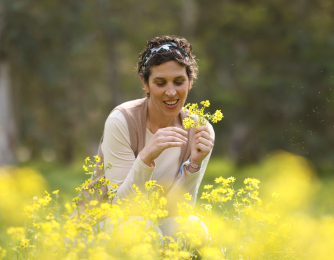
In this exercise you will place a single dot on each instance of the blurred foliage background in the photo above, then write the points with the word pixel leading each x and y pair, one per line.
pixel 267 64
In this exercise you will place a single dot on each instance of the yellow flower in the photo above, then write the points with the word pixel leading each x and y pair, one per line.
pixel 90 173
pixel 55 192
pixel 231 179
pixel 17 233
pixel 185 108
pixel 205 195
pixel 208 206
pixel 85 167
pixel 35 225
pixel 149 184
pixel 111 195
pixel 188 123
pixel 76 199
pixel 93 203
pixel 91 191
pixel 24 243
pixel 219 180
pixel 208 187
pixel 87 159
pixel 97 158
pixel 240 192
pixel 187 196
pixel 101 167
pixel 162 201
pixel 217 116
pixel 206 103
pixel 114 186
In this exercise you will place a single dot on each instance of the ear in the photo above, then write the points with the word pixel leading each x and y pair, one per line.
pixel 190 85
pixel 147 89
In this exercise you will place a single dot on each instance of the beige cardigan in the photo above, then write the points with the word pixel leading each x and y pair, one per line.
pixel 135 113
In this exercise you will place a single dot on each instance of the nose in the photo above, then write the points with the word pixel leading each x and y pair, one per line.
pixel 170 91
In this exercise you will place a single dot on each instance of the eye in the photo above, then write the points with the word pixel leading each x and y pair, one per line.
pixel 160 83
pixel 179 83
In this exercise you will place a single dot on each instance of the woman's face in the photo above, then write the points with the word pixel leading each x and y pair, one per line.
pixel 168 86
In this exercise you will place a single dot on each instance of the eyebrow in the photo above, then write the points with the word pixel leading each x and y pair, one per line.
pixel 165 78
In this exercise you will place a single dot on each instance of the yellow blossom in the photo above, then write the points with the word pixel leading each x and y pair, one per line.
pixel 76 199
pixel 101 167
pixel 217 116
pixel 87 159
pixel 97 158
pixel 149 184
pixel 208 187
pixel 205 103
pixel 24 243
pixel 93 203
pixel 187 196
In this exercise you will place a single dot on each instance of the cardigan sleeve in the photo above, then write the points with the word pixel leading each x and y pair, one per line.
pixel 187 182
pixel 116 147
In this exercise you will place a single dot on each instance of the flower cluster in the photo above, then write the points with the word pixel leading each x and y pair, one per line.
pixel 240 224
pixel 200 117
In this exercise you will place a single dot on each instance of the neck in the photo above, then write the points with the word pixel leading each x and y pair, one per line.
pixel 155 121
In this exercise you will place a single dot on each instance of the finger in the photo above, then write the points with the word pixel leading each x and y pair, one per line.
pixel 203 148
pixel 166 139
pixel 204 141
pixel 176 129
pixel 202 128
pixel 205 135
pixel 166 145
pixel 176 134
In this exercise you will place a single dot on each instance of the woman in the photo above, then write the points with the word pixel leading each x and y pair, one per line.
pixel 144 139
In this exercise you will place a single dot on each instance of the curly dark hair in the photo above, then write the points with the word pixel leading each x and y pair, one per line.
pixel 190 64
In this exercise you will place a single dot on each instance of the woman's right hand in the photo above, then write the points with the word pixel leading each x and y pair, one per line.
pixel 164 138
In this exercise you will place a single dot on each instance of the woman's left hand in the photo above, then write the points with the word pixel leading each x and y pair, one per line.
pixel 201 144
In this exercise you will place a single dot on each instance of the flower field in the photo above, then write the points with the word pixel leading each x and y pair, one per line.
pixel 278 209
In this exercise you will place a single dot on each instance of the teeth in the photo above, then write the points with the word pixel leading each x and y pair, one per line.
pixel 171 102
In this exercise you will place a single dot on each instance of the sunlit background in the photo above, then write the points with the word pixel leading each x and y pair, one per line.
pixel 266 64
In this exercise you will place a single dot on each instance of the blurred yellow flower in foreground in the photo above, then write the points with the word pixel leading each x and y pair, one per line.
pixel 243 223
pixel 17 187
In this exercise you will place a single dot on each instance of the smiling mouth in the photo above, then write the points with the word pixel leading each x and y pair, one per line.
pixel 171 103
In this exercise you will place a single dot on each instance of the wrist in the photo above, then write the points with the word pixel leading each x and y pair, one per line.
pixel 147 160
pixel 193 167
pixel 195 163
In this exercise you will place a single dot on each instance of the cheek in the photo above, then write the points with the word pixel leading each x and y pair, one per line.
pixel 185 91
pixel 157 92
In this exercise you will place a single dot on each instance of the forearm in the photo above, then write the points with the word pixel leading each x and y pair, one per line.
pixel 187 182
pixel 139 174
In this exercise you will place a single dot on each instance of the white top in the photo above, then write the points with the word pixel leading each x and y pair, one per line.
pixel 128 170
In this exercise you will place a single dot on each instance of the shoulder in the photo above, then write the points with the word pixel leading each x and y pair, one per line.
pixel 133 104
pixel 116 121
pixel 119 115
